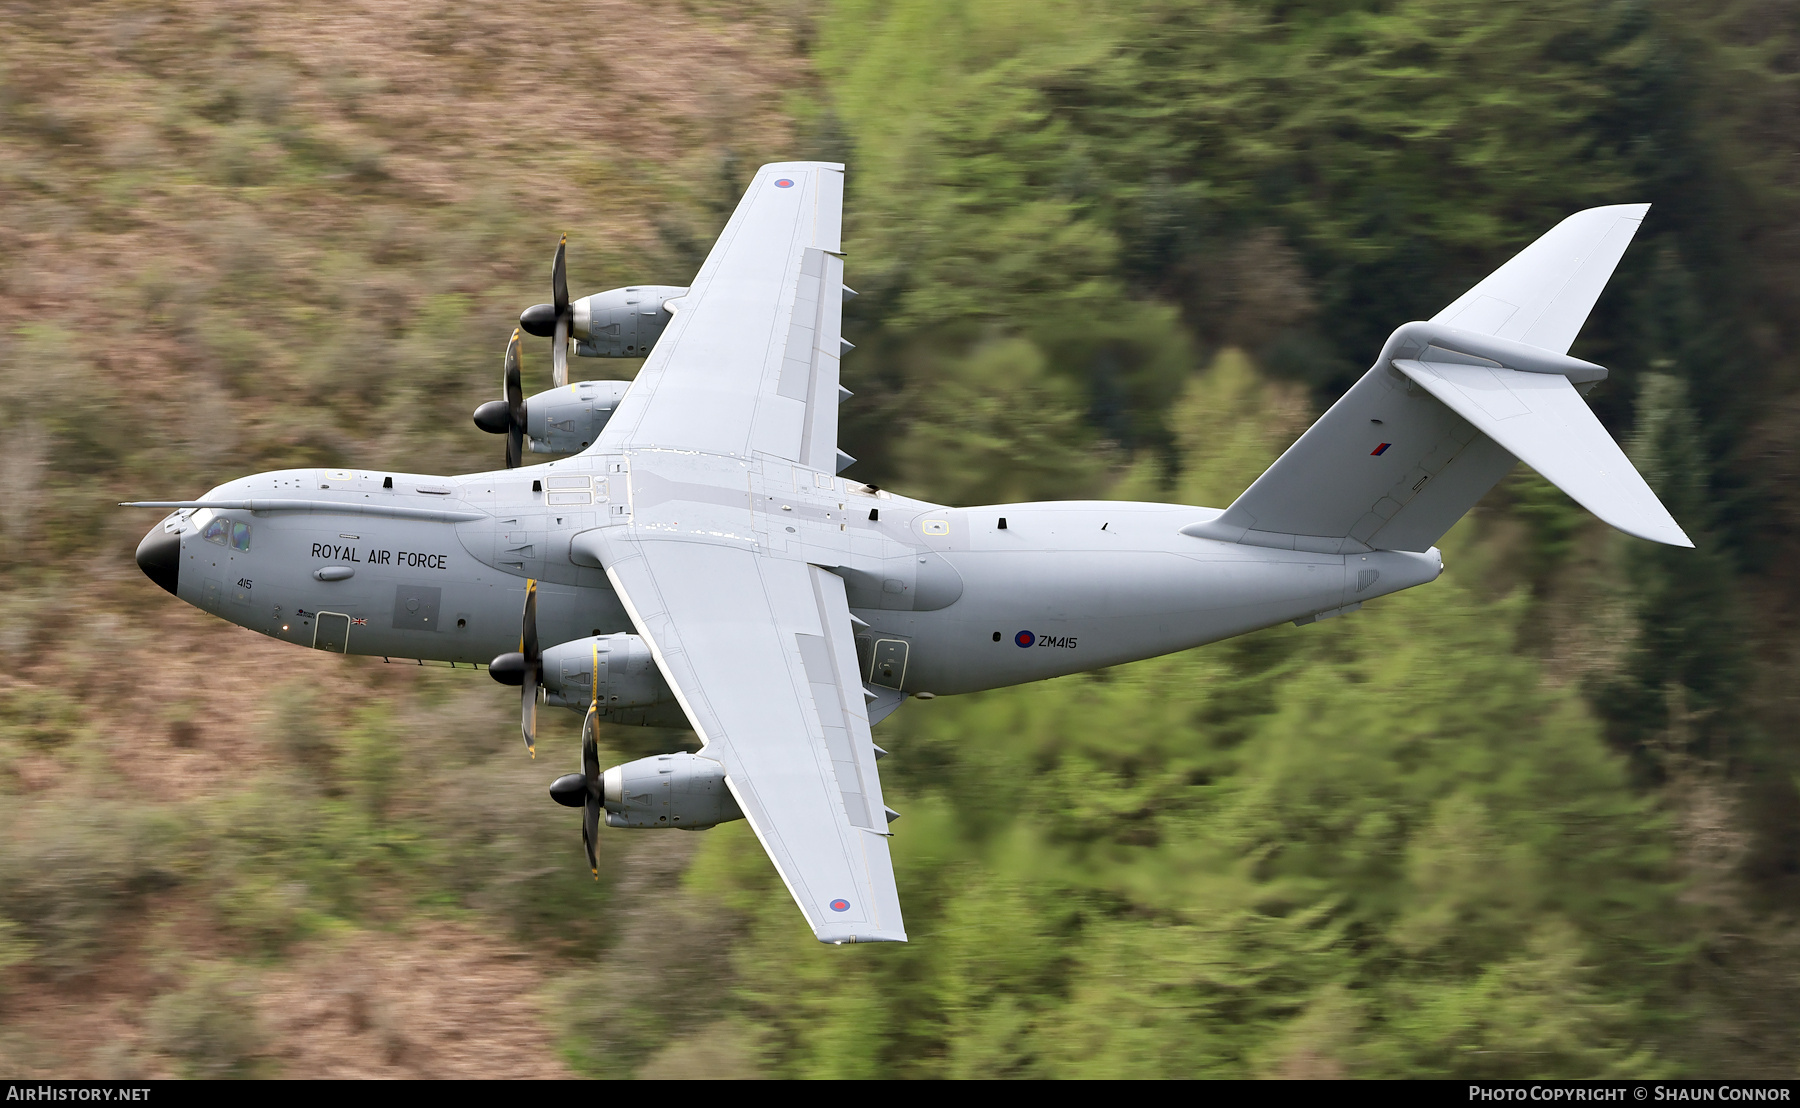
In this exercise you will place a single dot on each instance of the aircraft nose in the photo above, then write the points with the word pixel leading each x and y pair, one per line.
pixel 159 556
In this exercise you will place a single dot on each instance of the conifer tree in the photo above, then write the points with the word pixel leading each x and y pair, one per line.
pixel 1680 696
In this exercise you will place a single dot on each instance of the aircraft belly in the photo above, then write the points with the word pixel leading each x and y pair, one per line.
pixel 1061 612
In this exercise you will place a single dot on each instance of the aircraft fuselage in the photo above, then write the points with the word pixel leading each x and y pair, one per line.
pixel 951 600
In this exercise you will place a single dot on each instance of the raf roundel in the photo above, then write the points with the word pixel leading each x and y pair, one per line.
pixel 840 905
pixel 1025 638
pixel 784 183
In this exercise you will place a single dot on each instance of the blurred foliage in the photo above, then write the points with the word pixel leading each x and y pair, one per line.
pixel 1382 846
pixel 1553 520
pixel 211 1026
pixel 996 427
pixel 1679 694
pixel 1540 818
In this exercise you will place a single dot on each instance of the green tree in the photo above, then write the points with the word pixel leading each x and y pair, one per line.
pixel 1681 696
pixel 1383 844
pixel 996 427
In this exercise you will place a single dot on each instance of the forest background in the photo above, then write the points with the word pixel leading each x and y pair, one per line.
pixel 1541 818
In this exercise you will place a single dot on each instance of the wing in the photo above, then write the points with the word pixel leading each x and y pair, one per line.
pixel 759 653
pixel 757 647
pixel 750 361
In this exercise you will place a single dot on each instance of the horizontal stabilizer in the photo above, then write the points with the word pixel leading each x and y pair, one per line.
pixel 1540 419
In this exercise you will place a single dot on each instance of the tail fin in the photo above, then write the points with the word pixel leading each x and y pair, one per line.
pixel 1544 294
pixel 1450 406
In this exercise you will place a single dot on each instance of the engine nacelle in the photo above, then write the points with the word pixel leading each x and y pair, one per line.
pixel 628 677
pixel 622 323
pixel 668 790
pixel 568 420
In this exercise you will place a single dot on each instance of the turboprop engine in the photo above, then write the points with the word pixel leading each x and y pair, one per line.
pixel 612 674
pixel 617 323
pixel 568 420
pixel 665 790
pixel 621 323
pixel 627 674
pixel 562 420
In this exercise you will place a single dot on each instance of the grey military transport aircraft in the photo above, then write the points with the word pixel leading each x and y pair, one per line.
pixel 696 558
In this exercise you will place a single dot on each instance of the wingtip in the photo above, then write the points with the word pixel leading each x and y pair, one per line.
pixel 1667 532
pixel 839 932
pixel 1630 211
pixel 1662 528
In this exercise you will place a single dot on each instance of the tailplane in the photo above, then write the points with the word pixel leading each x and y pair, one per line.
pixel 1449 407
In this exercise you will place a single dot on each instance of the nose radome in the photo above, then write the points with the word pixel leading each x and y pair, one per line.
pixel 159 556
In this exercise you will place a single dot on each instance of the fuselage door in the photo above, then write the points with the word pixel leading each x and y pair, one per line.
pixel 331 631
pixel 889 670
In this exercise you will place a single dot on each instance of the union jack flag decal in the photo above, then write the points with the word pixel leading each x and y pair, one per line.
pixel 359 622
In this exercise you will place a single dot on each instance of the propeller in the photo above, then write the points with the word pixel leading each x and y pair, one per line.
pixel 555 319
pixel 584 790
pixel 507 417
pixel 525 668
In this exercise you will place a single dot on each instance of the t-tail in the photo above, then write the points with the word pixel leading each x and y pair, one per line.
pixel 1451 404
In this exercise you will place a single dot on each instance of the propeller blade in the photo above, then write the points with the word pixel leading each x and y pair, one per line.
pixel 510 384
pixel 528 709
pixel 514 390
pixel 559 353
pixel 533 670
pixel 528 638
pixel 565 315
pixel 559 279
pixel 590 770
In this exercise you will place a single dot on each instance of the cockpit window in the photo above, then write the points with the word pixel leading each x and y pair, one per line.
pixel 226 533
